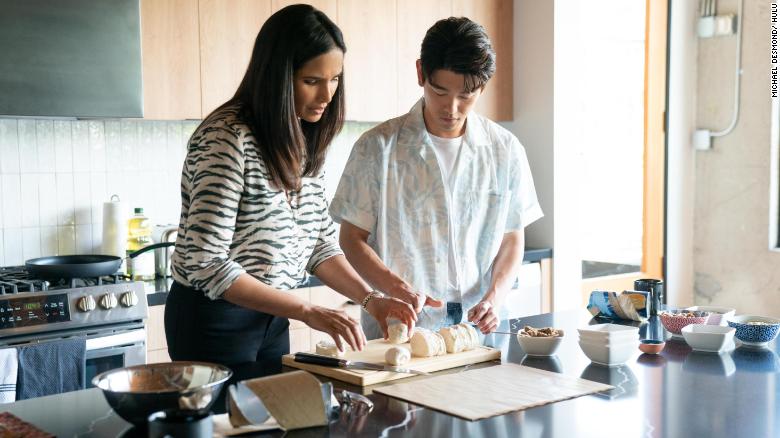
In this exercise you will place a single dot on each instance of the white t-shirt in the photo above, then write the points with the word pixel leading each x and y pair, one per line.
pixel 447 150
pixel 446 153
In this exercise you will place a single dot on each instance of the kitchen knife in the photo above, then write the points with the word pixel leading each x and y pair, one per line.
pixel 496 332
pixel 327 361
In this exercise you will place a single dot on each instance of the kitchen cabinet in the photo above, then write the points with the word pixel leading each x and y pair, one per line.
pixel 414 20
pixel 227 35
pixel 496 16
pixel 170 59
pixel 370 70
pixel 329 7
pixel 156 344
pixel 195 52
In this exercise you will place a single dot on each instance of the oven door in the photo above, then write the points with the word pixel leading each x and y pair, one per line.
pixel 116 350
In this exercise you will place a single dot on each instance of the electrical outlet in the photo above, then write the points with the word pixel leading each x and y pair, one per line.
pixel 702 140
pixel 725 25
pixel 717 25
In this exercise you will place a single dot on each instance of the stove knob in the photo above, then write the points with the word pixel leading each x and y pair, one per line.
pixel 86 303
pixel 129 299
pixel 108 301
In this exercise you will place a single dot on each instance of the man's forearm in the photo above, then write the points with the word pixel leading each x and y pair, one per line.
pixel 506 266
pixel 368 264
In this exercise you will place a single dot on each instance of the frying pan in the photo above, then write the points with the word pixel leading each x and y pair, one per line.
pixel 87 265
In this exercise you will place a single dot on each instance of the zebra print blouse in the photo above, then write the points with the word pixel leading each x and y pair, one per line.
pixel 234 221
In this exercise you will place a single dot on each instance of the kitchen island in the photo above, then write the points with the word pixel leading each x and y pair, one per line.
pixel 674 394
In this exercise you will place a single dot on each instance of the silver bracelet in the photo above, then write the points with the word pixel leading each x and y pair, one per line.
pixel 372 294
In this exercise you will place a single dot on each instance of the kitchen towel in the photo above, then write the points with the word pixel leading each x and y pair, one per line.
pixel 51 368
pixel 115 217
pixel 9 364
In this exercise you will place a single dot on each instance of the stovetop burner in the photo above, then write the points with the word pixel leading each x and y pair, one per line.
pixel 16 279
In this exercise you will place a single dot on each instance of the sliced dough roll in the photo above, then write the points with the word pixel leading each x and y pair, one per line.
pixel 473 336
pixel 426 343
pixel 397 356
pixel 398 333
pixel 328 348
pixel 455 339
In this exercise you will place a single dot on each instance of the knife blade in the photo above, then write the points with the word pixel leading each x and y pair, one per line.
pixel 316 359
pixel 496 332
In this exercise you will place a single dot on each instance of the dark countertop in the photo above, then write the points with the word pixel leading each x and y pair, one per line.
pixel 157 290
pixel 678 393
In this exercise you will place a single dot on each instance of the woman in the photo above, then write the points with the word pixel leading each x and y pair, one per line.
pixel 254 213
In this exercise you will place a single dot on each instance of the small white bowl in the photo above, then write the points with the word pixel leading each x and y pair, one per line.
pixel 708 338
pixel 718 315
pixel 540 346
pixel 611 332
pixel 609 355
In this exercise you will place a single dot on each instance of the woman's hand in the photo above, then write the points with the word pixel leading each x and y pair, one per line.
pixel 385 307
pixel 337 324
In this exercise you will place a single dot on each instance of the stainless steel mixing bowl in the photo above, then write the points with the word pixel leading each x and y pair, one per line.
pixel 136 392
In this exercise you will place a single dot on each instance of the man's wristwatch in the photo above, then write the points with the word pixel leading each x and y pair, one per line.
pixel 372 294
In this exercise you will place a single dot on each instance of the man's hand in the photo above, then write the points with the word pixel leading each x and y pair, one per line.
pixel 417 300
pixel 382 308
pixel 485 316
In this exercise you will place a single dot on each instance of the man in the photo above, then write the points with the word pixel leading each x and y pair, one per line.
pixel 432 204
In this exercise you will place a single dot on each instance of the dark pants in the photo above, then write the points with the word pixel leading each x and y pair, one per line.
pixel 200 329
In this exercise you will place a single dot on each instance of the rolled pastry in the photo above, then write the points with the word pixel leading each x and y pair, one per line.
pixel 473 336
pixel 460 337
pixel 398 333
pixel 456 338
pixel 328 348
pixel 426 343
pixel 397 356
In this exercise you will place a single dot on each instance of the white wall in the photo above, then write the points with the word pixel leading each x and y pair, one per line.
pixel 545 83
pixel 681 163
pixel 732 263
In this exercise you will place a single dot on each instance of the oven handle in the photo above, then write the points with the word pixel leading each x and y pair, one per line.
pixel 126 338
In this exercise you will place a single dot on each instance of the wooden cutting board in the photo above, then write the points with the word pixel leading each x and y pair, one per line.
pixel 490 391
pixel 374 352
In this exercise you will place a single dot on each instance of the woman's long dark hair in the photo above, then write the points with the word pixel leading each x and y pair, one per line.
pixel 290 148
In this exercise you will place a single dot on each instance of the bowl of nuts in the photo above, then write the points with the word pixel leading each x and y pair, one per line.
pixel 539 341
pixel 675 320
pixel 752 330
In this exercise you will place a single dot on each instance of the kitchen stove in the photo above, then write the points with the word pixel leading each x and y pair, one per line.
pixel 108 312
pixel 32 305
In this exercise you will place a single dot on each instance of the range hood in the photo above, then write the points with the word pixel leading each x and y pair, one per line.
pixel 70 58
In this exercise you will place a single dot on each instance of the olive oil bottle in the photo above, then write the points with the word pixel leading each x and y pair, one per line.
pixel 139 235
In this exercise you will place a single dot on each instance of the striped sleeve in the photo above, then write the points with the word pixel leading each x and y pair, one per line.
pixel 327 246
pixel 215 177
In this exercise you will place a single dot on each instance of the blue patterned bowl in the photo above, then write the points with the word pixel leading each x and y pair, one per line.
pixel 754 330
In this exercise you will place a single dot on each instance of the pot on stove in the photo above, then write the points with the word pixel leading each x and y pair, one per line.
pixel 162 256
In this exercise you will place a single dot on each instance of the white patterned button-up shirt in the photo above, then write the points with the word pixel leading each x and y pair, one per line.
pixel 392 187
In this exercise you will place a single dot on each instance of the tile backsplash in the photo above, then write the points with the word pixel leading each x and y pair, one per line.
pixel 56 174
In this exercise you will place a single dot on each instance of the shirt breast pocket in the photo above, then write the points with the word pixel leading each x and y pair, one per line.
pixel 484 221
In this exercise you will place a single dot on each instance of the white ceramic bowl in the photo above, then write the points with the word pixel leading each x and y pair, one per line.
pixel 610 355
pixel 540 346
pixel 709 338
pixel 718 315
pixel 611 332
